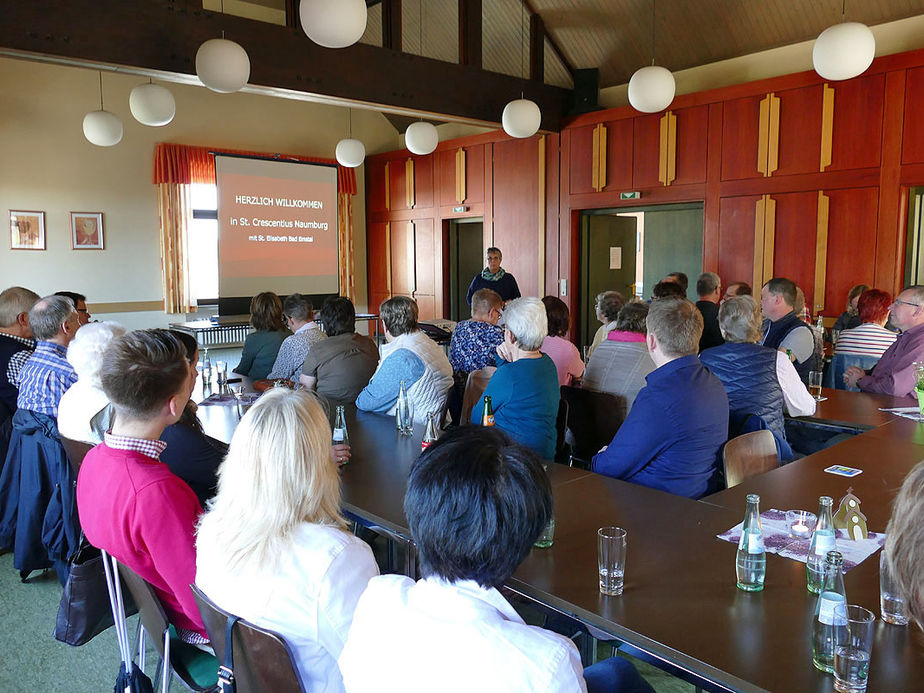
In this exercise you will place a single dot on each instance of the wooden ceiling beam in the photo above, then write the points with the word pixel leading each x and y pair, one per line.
pixel 391 25
pixel 536 48
pixel 552 42
pixel 470 33
pixel 163 36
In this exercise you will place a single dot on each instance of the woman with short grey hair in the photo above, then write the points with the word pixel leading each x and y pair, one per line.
pixel 524 391
pixel 760 381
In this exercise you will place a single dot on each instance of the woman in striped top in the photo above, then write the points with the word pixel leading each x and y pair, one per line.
pixel 870 338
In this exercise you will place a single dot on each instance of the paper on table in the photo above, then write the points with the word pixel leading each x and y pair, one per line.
pixel 913 413
pixel 229 400
pixel 777 540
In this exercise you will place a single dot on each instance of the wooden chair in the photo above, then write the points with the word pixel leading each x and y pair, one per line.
pixel 76 450
pixel 195 669
pixel 474 387
pixel 749 454
pixel 262 659
pixel 593 418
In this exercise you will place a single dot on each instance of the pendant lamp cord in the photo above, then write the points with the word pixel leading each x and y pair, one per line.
pixel 101 91
pixel 522 42
pixel 844 12
pixel 222 9
pixel 653 4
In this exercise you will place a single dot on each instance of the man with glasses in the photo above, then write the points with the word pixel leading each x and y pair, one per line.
pixel 474 344
pixel 80 303
pixel 894 374
pixel 299 316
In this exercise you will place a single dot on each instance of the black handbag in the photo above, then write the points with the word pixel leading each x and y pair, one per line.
pixel 85 611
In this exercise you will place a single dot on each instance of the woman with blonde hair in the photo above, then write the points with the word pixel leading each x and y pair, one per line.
pixel 262 347
pixel 272 547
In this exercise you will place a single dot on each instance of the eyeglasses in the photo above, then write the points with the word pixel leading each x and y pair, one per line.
pixel 898 301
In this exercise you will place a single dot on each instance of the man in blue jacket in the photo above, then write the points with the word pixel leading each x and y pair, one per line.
pixel 679 421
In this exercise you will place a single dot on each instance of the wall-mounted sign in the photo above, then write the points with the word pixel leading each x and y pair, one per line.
pixel 630 195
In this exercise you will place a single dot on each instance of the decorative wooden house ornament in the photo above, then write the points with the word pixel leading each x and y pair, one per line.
pixel 849 518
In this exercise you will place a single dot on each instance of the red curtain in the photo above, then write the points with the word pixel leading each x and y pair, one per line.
pixel 184 164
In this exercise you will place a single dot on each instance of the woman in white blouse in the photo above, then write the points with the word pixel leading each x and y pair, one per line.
pixel 272 547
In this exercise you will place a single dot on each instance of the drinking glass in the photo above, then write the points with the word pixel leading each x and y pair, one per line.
pixel 242 407
pixel 892 605
pixel 611 559
pixel 853 648
pixel 221 372
pixel 548 534
pixel 815 384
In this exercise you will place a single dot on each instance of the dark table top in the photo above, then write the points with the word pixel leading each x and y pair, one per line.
pixel 680 602
pixel 856 409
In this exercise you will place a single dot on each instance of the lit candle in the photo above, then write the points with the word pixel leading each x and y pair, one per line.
pixel 799 529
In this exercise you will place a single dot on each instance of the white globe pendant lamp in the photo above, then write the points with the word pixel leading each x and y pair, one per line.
pixel 521 118
pixel 843 51
pixel 102 128
pixel 421 138
pixel 651 89
pixel 222 65
pixel 152 104
pixel 350 153
pixel 333 23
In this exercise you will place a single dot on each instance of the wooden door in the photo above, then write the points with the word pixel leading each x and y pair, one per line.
pixel 608 264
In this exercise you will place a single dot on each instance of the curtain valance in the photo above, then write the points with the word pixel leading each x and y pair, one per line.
pixel 185 164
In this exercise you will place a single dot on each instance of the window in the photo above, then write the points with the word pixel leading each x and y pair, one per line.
pixel 203 243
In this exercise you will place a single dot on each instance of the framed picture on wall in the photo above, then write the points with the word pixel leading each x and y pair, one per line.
pixel 87 230
pixel 27 230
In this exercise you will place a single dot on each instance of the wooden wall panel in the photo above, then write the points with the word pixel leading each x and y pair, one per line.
pixel 444 171
pixel 692 125
pixel 377 259
pixel 619 152
pixel 375 186
pixel 736 239
pixel 581 159
pixel 794 240
pixel 913 144
pixel 800 130
pixel 425 259
pixel 858 107
pixel 851 243
pixel 740 122
pixel 474 174
pixel 646 151
pixel 402 258
pixel 397 185
pixel 424 195
pixel 516 209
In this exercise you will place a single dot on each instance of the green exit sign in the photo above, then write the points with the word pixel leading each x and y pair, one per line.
pixel 630 196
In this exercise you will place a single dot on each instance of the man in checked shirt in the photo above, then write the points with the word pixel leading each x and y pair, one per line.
pixel 16 346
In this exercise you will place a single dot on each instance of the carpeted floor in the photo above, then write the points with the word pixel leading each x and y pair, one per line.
pixel 33 660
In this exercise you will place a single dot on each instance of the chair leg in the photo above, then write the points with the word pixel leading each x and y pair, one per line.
pixel 168 670
pixel 140 640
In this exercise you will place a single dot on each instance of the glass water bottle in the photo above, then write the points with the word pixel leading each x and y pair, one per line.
pixel 823 540
pixel 825 628
pixel 751 560
pixel 430 433
pixel 340 437
pixel 403 420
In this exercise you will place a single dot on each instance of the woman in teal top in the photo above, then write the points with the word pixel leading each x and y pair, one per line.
pixel 261 347
pixel 524 391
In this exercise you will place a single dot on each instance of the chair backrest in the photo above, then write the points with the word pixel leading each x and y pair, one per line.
pixel 593 417
pixel 76 450
pixel 474 387
pixel 262 659
pixel 749 454
pixel 561 427
pixel 150 610
pixel 834 374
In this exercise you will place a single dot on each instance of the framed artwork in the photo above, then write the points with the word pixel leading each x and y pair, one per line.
pixel 27 230
pixel 87 230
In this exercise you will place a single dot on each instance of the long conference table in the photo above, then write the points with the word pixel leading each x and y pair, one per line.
pixel 681 606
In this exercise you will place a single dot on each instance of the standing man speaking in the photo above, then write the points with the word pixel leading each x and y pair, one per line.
pixel 495 278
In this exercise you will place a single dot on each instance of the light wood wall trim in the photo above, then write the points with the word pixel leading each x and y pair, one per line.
pixel 773 136
pixel 412 256
pixel 602 138
pixel 461 192
pixel 827 126
pixel 821 250
pixel 598 158
pixel 763 135
pixel 388 256
pixel 387 187
pixel 759 226
pixel 663 135
pixel 409 183
pixel 541 226
pixel 671 172
pixel 126 307
pixel 769 237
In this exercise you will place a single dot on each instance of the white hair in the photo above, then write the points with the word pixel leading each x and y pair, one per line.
pixel 277 475
pixel 527 321
pixel 91 343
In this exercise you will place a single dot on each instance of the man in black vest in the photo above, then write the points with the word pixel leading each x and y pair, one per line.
pixel 16 343
pixel 709 290
pixel 782 328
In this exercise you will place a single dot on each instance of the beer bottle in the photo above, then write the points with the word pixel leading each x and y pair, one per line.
pixel 487 416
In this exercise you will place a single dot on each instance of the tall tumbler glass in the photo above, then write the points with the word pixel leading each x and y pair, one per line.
pixel 611 559
pixel 892 605
pixel 853 648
